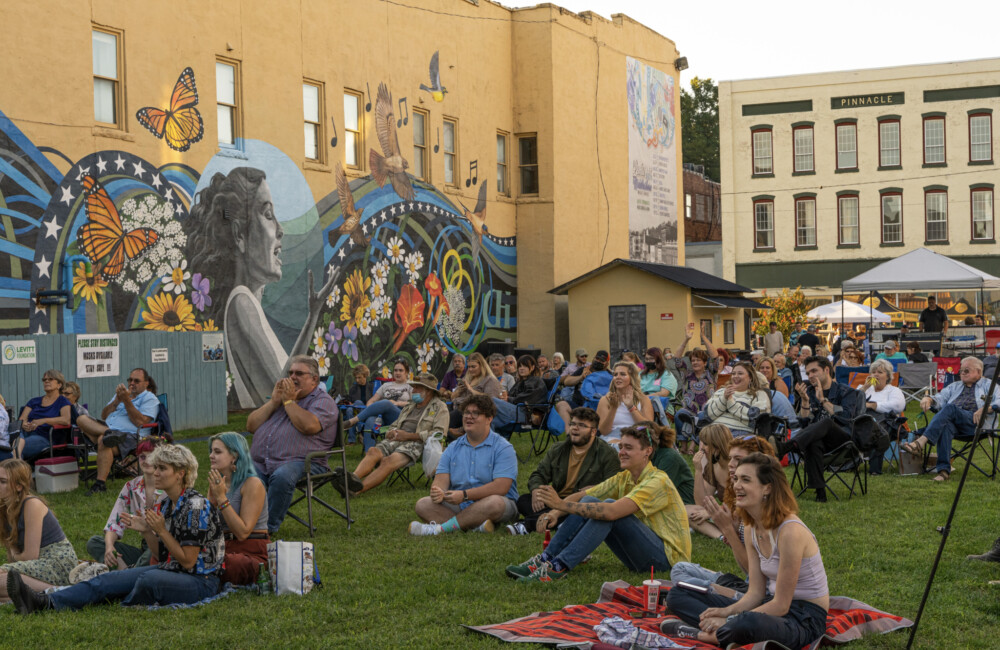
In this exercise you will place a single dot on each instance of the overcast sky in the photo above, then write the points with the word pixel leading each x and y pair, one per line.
pixel 728 40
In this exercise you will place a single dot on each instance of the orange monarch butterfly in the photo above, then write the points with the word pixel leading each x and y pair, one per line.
pixel 103 236
pixel 181 125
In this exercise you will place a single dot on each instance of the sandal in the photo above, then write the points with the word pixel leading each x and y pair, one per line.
pixel 942 476
pixel 912 448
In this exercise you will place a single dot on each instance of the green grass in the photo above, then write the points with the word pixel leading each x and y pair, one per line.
pixel 383 588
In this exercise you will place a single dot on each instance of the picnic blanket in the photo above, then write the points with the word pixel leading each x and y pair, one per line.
pixel 573 626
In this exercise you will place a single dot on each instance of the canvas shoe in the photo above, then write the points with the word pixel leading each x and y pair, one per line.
pixel 419 529
pixel 678 629
pixel 113 438
pixel 524 569
pixel 486 527
pixel 545 573
pixel 517 529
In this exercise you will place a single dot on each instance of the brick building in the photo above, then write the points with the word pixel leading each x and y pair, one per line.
pixel 702 217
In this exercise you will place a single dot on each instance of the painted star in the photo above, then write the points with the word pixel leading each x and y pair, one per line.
pixel 83 171
pixel 51 228
pixel 383 217
pixel 179 209
pixel 411 205
pixel 364 228
pixel 102 166
pixel 330 270
pixel 393 211
pixel 169 194
pixel 340 253
pixel 67 196
pixel 139 171
pixel 43 268
pixel 39 309
pixel 119 162
pixel 156 181
pixel 39 329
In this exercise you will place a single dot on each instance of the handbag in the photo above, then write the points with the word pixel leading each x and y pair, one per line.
pixel 293 568
pixel 432 454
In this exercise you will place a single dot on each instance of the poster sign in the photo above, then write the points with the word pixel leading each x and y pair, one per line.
pixel 160 355
pixel 652 168
pixel 666 316
pixel 97 355
pixel 212 347
pixel 19 351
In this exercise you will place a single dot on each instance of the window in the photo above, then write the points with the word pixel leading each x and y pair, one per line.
pixel 847 214
pixel 450 151
pixel 762 158
pixel 892 218
pixel 107 83
pixel 527 146
pixel 227 108
pixel 503 182
pixel 352 129
pixel 847 146
pixel 980 137
pixel 805 222
pixel 706 328
pixel 982 214
pixel 687 205
pixel 936 215
pixel 802 137
pixel 888 143
pixel 729 332
pixel 701 208
pixel 420 168
pixel 312 116
pixel 763 216
pixel 934 141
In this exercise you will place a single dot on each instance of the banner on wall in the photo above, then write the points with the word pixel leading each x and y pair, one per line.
pixel 97 355
pixel 212 347
pixel 19 352
pixel 652 150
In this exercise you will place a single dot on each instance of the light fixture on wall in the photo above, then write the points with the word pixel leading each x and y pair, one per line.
pixel 681 63
pixel 53 297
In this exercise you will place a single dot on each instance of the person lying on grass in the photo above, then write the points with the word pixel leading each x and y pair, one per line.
pixel 190 549
pixel 637 512
pixel 35 543
pixel 788 596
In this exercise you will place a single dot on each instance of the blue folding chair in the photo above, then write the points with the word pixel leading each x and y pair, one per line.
pixel 594 387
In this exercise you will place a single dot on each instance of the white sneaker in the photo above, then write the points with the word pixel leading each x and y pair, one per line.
pixel 517 529
pixel 417 528
pixel 486 527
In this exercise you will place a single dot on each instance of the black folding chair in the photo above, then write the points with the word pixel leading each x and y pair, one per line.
pixel 309 484
pixel 846 459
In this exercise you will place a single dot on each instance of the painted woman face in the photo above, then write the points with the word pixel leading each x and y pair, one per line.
pixel 262 249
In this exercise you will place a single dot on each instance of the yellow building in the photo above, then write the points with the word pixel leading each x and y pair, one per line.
pixel 476 154
pixel 827 175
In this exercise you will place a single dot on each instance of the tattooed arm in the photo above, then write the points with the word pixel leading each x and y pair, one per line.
pixel 601 511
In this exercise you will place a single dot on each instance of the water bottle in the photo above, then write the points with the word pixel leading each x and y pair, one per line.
pixel 378 425
pixel 263 580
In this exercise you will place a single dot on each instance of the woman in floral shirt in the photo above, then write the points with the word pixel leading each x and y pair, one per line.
pixel 189 546
pixel 698 373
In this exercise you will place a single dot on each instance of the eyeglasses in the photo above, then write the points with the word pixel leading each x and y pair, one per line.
pixel 472 415
pixel 966 371
pixel 580 425
pixel 297 373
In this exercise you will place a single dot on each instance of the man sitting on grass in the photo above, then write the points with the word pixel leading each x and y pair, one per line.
pixel 475 487
pixel 579 462
pixel 423 416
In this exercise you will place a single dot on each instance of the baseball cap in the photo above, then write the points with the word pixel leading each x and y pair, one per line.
pixel 581 352
pixel 602 355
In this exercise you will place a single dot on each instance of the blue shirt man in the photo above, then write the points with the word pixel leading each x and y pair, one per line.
pixel 475 487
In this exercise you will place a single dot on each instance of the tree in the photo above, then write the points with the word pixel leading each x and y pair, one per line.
pixel 700 125
pixel 786 309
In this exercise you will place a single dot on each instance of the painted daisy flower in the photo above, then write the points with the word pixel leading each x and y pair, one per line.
pixel 425 351
pixel 319 341
pixel 385 307
pixel 414 262
pixel 395 250
pixel 324 366
pixel 333 298
pixel 168 313
pixel 380 272
pixel 87 284
pixel 377 291
pixel 176 279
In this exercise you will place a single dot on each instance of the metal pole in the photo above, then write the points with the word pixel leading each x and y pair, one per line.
pixel 946 529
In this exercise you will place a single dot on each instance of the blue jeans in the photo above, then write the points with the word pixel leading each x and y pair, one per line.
pixel 629 539
pixel 148 585
pixel 506 413
pixel 951 421
pixel 353 432
pixel 383 407
pixel 35 444
pixel 280 486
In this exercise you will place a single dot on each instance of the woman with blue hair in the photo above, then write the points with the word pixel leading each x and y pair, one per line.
pixel 240 496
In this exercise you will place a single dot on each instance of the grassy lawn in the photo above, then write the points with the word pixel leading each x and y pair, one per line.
pixel 383 588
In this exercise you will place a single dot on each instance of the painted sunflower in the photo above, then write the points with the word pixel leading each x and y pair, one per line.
pixel 355 301
pixel 168 313
pixel 87 284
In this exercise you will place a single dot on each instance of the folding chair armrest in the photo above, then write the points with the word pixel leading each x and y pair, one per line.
pixel 313 456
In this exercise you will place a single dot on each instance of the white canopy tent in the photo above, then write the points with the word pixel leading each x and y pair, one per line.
pixel 921 270
pixel 848 312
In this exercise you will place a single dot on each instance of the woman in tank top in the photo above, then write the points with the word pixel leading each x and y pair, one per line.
pixel 624 406
pixel 788 606
pixel 235 489
pixel 36 545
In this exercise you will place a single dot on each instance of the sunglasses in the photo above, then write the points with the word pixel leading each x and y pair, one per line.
pixel 297 373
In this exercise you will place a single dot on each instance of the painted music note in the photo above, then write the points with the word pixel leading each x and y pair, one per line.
pixel 473 179
pixel 438 144
pixel 368 106
pixel 403 109
pixel 333 140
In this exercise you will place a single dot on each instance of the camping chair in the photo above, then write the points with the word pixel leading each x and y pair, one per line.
pixel 917 380
pixel 594 387
pixel 128 465
pixel 989 444
pixel 310 483
pixel 847 459
pixel 844 374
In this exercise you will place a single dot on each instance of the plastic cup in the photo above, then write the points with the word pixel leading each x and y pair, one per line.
pixel 652 594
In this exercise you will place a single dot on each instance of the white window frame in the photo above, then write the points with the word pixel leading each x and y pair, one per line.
pixel 227 109
pixel 847 145
pixel 982 212
pixel 503 163
pixel 763 162
pixel 768 231
pixel 354 131
pixel 981 138
pixel 937 199
pixel 421 138
pixel 884 143
pixel 312 121
pixel 805 222
pixel 804 152
pixel 883 199
pixel 843 216
pixel 935 153
pixel 116 82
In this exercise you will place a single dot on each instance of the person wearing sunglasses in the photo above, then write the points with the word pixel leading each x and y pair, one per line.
pixel 300 417
pixel 41 414
pixel 116 433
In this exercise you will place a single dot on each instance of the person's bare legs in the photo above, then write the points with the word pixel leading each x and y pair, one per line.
pixel 563 409
pixel 90 427
pixel 706 528
pixel 37 585
pixel 492 508
pixel 384 470
pixel 105 459
pixel 368 462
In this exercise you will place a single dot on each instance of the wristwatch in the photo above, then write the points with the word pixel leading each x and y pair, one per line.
pixel 465 495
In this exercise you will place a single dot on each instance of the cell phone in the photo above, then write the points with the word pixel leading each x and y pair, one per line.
pixel 692 587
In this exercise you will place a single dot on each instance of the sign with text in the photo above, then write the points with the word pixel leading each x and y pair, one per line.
pixel 19 352
pixel 97 355
pixel 160 355
pixel 875 99
pixel 666 316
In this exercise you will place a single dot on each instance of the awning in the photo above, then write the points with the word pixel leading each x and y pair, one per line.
pixel 738 302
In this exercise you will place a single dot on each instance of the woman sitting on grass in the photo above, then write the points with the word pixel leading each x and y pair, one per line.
pixel 624 405
pixel 788 596
pixel 190 549
pixel 711 477
pixel 637 512
pixel 136 493
pixel 240 496
pixel 35 543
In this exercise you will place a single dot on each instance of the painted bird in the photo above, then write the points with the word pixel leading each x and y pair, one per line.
pixel 436 90
pixel 477 219
pixel 352 216
pixel 390 165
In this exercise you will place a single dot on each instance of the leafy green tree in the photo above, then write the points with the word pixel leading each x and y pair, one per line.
pixel 787 309
pixel 700 125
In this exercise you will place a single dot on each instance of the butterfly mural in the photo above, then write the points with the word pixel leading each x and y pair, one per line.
pixel 180 125
pixel 103 236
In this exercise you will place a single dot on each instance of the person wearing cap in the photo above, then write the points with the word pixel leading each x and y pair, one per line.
pixel 595 373
pixel 891 352
pixel 809 338
pixel 933 318
pixel 581 362
pixel 425 415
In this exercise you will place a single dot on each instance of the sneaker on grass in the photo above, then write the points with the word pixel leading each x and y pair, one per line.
pixel 678 629
pixel 545 573
pixel 486 527
pixel 524 569
pixel 517 529
pixel 419 529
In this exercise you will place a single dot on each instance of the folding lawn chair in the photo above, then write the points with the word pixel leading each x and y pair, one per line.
pixel 846 459
pixel 310 483
pixel 917 380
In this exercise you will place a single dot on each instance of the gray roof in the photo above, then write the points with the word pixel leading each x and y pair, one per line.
pixel 691 278
pixel 921 270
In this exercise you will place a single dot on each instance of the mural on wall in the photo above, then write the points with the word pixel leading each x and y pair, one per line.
pixel 384 267
pixel 652 151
